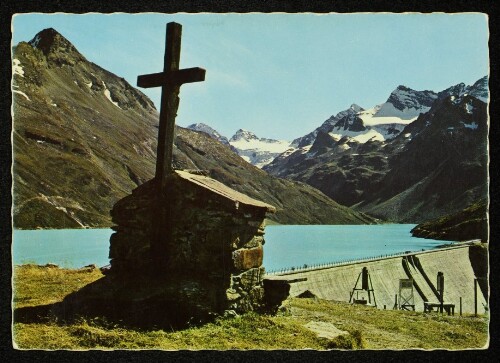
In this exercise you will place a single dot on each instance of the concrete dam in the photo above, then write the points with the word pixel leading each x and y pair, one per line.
pixel 460 265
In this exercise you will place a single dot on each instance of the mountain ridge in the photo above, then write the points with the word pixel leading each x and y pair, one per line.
pixel 83 138
pixel 420 173
pixel 381 122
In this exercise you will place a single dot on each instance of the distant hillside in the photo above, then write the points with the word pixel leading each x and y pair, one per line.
pixel 470 223
pixel 83 138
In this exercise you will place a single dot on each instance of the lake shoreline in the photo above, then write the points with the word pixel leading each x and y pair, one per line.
pixel 286 246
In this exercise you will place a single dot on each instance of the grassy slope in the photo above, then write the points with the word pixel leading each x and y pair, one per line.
pixel 368 328
pixel 72 146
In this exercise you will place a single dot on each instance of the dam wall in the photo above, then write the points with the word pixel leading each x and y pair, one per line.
pixel 337 282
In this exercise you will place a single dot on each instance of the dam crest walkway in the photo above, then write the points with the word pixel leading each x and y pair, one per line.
pixel 336 281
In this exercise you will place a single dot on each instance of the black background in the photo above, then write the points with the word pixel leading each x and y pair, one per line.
pixel 8 8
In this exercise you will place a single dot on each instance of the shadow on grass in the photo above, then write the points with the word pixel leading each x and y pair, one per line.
pixel 130 303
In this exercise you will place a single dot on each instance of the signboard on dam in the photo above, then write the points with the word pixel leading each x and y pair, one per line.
pixel 460 266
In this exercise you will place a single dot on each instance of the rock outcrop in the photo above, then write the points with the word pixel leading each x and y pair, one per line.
pixel 468 224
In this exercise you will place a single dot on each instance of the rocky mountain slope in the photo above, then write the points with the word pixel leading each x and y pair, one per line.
pixel 83 138
pixel 214 134
pixel 470 223
pixel 430 166
pixel 440 166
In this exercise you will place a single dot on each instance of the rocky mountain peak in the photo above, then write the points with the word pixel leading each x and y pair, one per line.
pixel 56 47
pixel 242 134
pixel 322 143
pixel 456 90
pixel 356 108
pixel 350 122
pixel 327 126
pixel 255 150
pixel 203 127
pixel 402 88
pixel 214 134
pixel 407 103
pixel 480 89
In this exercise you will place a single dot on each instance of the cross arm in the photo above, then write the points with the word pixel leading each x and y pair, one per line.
pixel 176 78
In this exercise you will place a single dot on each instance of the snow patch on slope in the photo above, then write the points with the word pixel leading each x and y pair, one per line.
pixel 469 108
pixel 375 132
pixel 361 137
pixel 107 94
pixel 17 68
pixel 22 94
pixel 472 126
pixel 273 146
pixel 369 118
pixel 34 42
pixel 407 114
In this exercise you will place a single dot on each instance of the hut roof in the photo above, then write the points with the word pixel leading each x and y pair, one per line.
pixel 223 190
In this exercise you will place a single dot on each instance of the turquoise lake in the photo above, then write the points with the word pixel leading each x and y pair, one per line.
pixel 286 246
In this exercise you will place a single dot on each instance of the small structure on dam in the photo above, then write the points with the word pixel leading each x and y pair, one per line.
pixel 406 297
pixel 462 264
pixel 367 286
pixel 441 304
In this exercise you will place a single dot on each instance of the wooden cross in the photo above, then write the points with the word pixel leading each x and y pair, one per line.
pixel 170 81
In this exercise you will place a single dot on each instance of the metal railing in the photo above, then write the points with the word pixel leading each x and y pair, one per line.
pixel 320 266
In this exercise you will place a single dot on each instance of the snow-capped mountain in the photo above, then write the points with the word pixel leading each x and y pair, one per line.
pixel 435 165
pixel 327 126
pixel 359 125
pixel 255 150
pixel 380 123
pixel 406 104
pixel 385 121
pixel 480 89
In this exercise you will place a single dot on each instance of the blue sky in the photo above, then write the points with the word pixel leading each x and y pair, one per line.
pixel 280 75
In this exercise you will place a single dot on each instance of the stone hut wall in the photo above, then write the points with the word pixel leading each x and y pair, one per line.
pixel 212 250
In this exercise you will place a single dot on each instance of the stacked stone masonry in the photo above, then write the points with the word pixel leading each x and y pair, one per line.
pixel 213 245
